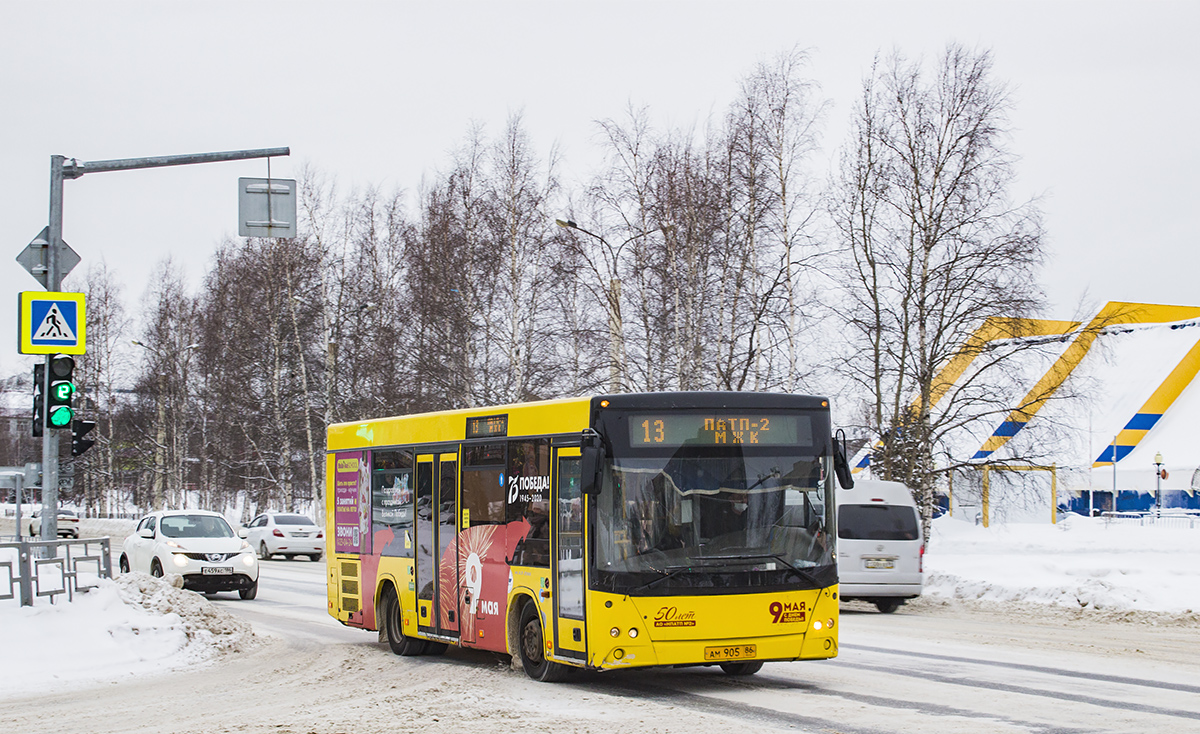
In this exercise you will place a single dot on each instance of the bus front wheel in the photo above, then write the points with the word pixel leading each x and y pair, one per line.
pixel 400 643
pixel 533 648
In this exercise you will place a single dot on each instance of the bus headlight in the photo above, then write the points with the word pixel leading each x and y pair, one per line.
pixel 817 625
pixel 829 623
pixel 633 632
pixel 615 632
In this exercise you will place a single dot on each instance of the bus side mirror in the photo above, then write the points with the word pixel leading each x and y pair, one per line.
pixel 841 465
pixel 591 457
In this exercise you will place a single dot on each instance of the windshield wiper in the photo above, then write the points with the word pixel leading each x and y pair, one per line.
pixel 763 556
pixel 668 573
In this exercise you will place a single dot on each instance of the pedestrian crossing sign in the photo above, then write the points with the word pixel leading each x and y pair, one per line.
pixel 51 323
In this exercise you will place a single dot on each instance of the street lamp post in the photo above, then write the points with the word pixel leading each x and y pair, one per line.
pixel 1158 472
pixel 613 297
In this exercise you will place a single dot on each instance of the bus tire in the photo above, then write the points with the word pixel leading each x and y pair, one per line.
pixel 750 667
pixel 401 644
pixel 533 648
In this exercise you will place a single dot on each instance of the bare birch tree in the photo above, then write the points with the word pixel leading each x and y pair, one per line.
pixel 934 247
pixel 99 374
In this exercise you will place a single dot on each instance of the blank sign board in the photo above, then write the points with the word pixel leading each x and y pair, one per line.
pixel 266 207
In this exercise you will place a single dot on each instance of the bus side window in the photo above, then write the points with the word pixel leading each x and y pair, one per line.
pixel 528 499
pixel 392 501
pixel 483 487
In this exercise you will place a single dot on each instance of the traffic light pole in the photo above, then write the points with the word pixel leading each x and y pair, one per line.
pixel 59 169
pixel 53 283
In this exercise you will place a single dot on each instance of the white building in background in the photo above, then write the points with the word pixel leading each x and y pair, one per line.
pixel 1112 401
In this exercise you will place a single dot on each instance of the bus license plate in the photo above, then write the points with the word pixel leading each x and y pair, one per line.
pixel 880 562
pixel 731 652
pixel 216 571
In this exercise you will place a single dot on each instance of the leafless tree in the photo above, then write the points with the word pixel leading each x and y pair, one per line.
pixel 934 247
pixel 167 335
pixel 99 374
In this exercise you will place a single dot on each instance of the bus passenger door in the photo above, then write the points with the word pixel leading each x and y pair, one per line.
pixel 447 542
pixel 426 550
pixel 568 567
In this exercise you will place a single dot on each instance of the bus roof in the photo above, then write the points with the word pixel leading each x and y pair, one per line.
pixel 539 418
pixel 567 415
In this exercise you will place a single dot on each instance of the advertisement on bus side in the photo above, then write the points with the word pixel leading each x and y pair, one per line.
pixel 352 502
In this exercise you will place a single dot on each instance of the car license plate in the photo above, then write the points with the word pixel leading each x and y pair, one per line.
pixel 880 562
pixel 216 571
pixel 731 652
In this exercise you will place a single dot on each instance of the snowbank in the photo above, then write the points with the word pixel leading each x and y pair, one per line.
pixel 133 625
pixel 1079 563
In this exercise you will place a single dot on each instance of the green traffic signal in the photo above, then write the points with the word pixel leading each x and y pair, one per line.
pixel 61 416
pixel 62 388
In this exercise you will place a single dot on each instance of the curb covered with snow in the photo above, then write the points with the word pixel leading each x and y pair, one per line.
pixel 133 625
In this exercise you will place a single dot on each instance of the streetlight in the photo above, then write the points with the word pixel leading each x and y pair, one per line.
pixel 615 335
pixel 1158 477
pixel 613 297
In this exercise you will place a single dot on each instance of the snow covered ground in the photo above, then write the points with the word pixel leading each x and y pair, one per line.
pixel 133 625
pixel 137 625
pixel 1079 563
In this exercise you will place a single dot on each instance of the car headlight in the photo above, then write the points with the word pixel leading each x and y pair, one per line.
pixel 180 559
pixel 248 559
pixel 246 546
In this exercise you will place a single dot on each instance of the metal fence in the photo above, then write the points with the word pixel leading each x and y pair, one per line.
pixel 32 569
pixel 1188 519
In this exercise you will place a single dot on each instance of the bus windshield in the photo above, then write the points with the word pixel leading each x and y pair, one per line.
pixel 696 519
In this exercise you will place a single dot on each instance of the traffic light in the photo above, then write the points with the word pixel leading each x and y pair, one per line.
pixel 39 403
pixel 62 388
pixel 79 429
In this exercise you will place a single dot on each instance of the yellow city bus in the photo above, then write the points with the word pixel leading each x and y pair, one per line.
pixel 604 532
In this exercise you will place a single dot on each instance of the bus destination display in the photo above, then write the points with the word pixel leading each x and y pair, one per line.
pixel 487 426
pixel 719 429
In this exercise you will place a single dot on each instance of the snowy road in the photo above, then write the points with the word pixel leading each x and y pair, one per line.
pixel 932 667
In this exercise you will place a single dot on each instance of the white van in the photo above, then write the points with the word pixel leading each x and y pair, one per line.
pixel 879 547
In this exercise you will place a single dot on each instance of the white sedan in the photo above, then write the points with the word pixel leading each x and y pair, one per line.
pixel 285 534
pixel 68 524
pixel 200 546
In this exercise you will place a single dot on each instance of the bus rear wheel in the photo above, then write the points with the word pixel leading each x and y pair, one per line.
pixel 389 611
pixel 533 648
pixel 747 668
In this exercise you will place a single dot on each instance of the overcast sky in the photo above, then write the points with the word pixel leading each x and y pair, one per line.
pixel 1105 117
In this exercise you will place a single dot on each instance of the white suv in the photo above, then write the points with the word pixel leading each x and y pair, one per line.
pixel 199 546
pixel 285 534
